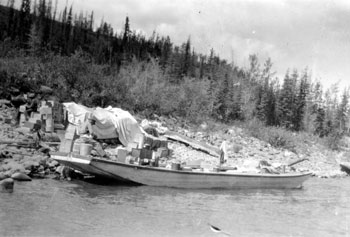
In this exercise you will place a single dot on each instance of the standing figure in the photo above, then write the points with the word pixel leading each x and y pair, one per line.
pixel 17 100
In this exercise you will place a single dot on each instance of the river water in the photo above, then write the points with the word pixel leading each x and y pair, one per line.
pixel 77 208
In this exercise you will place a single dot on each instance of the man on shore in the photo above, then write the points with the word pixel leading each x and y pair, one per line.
pixel 17 100
pixel 32 104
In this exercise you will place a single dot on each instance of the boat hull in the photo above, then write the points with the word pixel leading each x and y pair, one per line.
pixel 83 164
pixel 154 176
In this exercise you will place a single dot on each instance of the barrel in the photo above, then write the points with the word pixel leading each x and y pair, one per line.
pixel 85 149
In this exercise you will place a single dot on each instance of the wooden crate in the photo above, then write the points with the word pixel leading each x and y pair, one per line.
pixel 146 153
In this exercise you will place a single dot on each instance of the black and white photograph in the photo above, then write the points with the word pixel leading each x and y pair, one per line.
pixel 174 118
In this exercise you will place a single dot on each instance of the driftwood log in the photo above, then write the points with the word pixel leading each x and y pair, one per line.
pixel 17 143
pixel 297 161
pixel 174 136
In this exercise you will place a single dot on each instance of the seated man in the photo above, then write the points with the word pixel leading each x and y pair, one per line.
pixel 32 105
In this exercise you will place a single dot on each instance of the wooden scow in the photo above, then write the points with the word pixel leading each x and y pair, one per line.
pixel 162 177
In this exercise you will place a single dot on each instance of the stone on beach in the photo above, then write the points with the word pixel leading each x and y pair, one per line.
pixel 7 185
pixel 20 177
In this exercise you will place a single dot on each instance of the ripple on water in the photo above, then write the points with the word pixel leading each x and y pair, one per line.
pixel 60 208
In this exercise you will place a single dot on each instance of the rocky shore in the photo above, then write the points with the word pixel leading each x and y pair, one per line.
pixel 22 158
pixel 245 151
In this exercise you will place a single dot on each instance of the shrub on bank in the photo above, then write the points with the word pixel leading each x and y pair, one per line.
pixel 275 136
pixel 136 86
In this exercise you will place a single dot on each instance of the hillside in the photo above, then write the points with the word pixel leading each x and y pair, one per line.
pixel 277 122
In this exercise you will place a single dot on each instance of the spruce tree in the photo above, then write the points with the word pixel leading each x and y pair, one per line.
pixel 34 41
pixel 265 101
pixel 186 62
pixel 24 22
pixel 285 107
pixel 342 121
pixel 320 121
pixel 300 102
pixel 11 20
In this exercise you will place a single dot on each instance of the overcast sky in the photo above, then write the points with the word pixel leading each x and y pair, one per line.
pixel 295 34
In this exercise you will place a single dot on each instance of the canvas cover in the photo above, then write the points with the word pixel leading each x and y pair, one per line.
pixel 110 122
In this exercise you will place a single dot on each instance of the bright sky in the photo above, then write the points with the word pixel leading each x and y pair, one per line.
pixel 294 33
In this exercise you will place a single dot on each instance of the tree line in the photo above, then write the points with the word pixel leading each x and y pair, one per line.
pixel 99 66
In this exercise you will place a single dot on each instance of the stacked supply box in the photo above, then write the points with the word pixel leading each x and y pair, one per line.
pixel 121 154
pixel 46 117
pixel 69 137
pixel 57 112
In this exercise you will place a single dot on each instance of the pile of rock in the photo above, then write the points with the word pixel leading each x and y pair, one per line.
pixel 21 156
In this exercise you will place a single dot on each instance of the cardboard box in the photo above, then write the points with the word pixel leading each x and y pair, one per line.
pixel 58 113
pixel 35 116
pixel 49 125
pixel 135 152
pixel 29 125
pixel 131 146
pixel 121 154
pixel 22 108
pixel 146 153
pixel 45 110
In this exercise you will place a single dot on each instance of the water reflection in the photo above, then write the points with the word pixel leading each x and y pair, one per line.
pixel 91 189
pixel 178 200
pixel 78 208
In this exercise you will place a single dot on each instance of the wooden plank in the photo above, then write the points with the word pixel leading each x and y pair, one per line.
pixel 211 150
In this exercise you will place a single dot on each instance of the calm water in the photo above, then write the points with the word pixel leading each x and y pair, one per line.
pixel 62 208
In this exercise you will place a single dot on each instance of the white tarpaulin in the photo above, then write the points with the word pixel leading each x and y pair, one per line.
pixel 76 113
pixel 110 122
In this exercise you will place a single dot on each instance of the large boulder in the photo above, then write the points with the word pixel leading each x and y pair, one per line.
pixel 6 185
pixel 18 176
